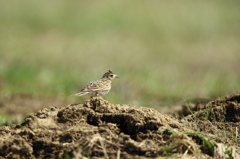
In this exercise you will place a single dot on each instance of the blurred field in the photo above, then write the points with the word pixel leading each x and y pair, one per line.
pixel 165 52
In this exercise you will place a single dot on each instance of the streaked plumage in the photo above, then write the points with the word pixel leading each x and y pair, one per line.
pixel 99 87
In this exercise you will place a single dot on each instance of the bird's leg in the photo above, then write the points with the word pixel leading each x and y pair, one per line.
pixel 98 96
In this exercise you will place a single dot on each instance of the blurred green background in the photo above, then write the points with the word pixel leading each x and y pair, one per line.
pixel 165 52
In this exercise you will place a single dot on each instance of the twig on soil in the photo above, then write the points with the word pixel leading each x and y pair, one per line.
pixel 103 147
pixel 236 133
pixel 100 139
pixel 185 153
pixel 118 154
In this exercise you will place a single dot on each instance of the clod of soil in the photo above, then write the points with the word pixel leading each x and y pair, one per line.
pixel 98 128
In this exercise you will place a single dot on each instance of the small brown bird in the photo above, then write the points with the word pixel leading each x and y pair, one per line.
pixel 100 87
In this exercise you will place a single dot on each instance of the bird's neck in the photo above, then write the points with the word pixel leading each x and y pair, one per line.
pixel 106 79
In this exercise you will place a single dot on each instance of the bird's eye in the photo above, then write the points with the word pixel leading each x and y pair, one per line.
pixel 111 75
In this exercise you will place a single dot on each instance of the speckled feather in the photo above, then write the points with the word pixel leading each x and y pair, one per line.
pixel 100 85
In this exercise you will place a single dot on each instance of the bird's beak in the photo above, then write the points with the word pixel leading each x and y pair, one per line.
pixel 116 76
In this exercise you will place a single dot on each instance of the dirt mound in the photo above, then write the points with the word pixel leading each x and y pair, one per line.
pixel 218 119
pixel 98 128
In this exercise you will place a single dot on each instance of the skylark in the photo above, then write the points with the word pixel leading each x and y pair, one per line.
pixel 100 87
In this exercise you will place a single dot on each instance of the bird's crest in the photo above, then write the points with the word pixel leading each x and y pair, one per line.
pixel 109 71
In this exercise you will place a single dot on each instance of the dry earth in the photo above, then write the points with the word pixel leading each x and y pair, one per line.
pixel 99 129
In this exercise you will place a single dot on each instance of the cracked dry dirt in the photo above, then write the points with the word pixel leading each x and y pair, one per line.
pixel 99 129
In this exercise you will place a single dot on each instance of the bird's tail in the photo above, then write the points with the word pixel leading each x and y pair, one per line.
pixel 80 94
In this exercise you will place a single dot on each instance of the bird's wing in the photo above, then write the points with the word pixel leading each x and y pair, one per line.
pixel 96 86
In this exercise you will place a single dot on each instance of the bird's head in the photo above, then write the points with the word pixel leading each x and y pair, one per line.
pixel 110 75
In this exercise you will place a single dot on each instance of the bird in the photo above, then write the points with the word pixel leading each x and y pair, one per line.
pixel 99 88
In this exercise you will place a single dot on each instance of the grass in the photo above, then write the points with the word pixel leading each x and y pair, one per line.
pixel 163 51
pixel 6 119
pixel 205 142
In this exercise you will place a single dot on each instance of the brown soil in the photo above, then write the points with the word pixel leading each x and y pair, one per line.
pixel 99 129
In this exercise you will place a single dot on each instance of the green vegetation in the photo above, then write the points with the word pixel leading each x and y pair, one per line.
pixel 164 51
pixel 6 119
pixel 205 142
